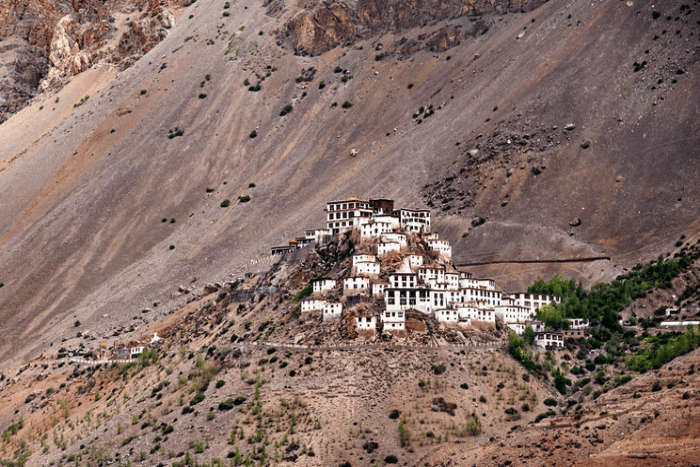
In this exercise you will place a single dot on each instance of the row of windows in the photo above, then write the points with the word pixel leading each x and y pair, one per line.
pixel 344 206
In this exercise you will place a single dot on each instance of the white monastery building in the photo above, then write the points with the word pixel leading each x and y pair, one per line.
pixel 322 285
pixel 312 304
pixel 384 249
pixel 549 339
pixel 366 323
pixel 355 285
pixel 421 283
pixel 332 310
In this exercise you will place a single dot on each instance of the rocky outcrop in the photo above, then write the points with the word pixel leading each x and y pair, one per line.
pixel 323 26
pixel 43 43
pixel 65 56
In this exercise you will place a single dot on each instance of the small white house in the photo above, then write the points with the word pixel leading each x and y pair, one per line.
pixel 378 289
pixel 447 315
pixel 431 275
pixel 332 310
pixel 135 351
pixel 366 323
pixel 363 259
pixel 534 301
pixel 386 248
pixel 517 328
pixel 374 229
pixel 402 280
pixel 442 247
pixel 355 285
pixel 513 313
pixel 394 237
pixel 394 221
pixel 477 312
pixel 312 304
pixel 549 339
pixel 578 323
pixel 415 261
pixel 371 269
pixel 394 320
pixel 323 285
pixel 452 280
pixel 318 236
pixel 415 220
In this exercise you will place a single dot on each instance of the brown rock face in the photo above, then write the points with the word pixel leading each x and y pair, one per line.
pixel 42 43
pixel 323 26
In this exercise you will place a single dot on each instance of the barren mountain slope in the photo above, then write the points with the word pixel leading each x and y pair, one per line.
pixel 85 187
pixel 42 43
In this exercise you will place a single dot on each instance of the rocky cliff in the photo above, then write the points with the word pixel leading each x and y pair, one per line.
pixel 44 42
pixel 321 26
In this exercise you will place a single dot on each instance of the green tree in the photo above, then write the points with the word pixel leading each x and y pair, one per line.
pixel 529 335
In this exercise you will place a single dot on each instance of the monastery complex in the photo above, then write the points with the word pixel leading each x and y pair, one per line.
pixel 402 267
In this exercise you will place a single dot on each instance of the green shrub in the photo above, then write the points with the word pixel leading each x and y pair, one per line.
pixel 391 459
pixel 239 400
pixel 550 402
pixel 197 399
pixel 321 84
pixel 253 134
pixel 346 105
pixel 439 369
pixel 303 293
pixel 394 414
pixel 286 109
pixel 225 203
pixel 243 199
pixel 175 132
pixel 544 415
pixel 226 405
pixel 219 384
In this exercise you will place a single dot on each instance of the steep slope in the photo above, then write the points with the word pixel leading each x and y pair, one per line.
pixel 85 187
pixel 46 42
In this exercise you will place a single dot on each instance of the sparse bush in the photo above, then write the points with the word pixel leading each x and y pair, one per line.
pixel 226 405
pixel 321 84
pixel 473 426
pixel 391 459
pixel 243 199
pixel 253 134
pixel 225 203
pixel 346 105
pixel 439 369
pixel 286 109
pixel 394 414
pixel 197 399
